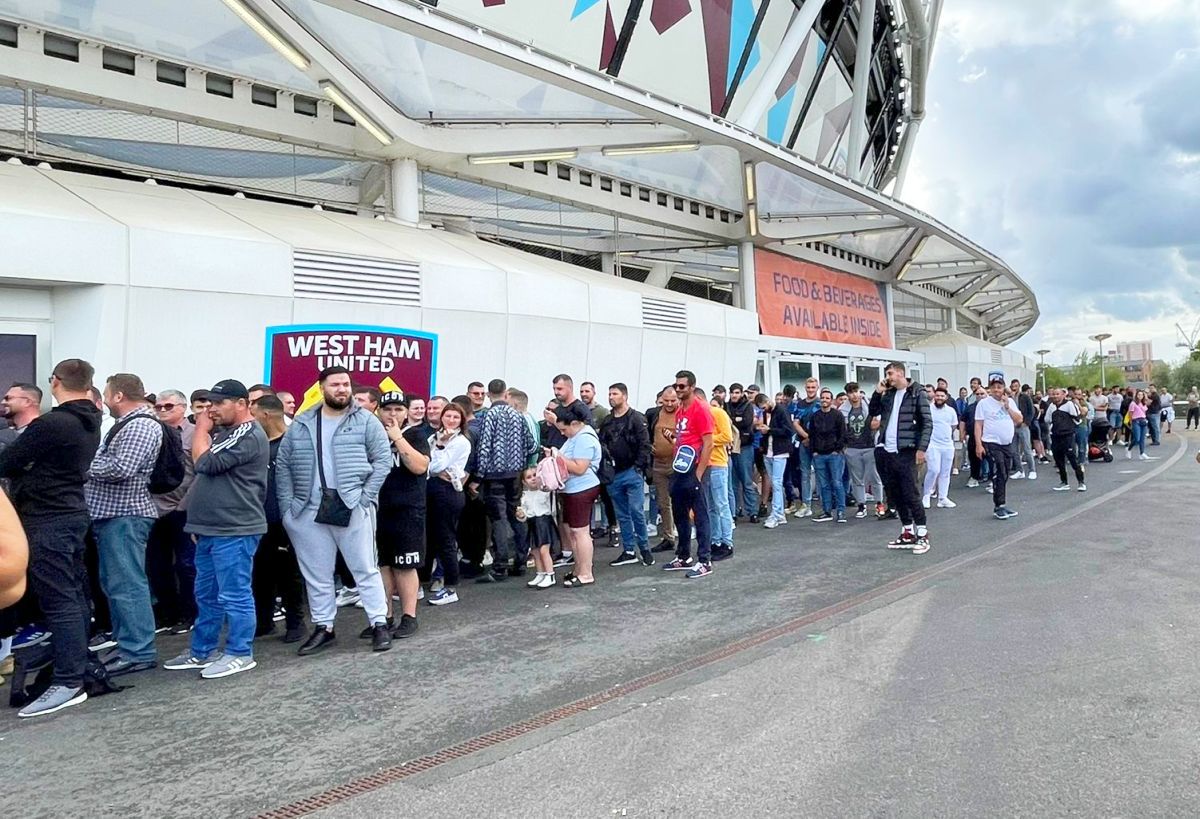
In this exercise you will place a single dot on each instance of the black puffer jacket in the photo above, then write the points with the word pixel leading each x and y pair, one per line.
pixel 915 423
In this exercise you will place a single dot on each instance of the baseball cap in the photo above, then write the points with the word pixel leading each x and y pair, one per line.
pixel 996 375
pixel 392 397
pixel 229 388
pixel 754 387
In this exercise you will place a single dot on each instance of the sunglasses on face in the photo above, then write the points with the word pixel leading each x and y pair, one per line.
pixel 165 407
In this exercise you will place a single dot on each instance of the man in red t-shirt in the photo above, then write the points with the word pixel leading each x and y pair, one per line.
pixel 693 438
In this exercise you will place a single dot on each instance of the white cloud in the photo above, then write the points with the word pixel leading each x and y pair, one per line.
pixel 1076 161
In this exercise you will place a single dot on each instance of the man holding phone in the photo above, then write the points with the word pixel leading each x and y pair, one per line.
pixel 996 419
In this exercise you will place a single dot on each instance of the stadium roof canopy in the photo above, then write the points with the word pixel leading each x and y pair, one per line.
pixel 516 142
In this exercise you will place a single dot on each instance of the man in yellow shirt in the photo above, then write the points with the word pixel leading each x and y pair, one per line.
pixel 716 483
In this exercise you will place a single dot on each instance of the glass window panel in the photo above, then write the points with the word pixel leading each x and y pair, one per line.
pixel 710 174
pixel 782 192
pixel 202 32
pixel 832 376
pixel 867 376
pixel 425 80
pixel 881 246
pixel 794 373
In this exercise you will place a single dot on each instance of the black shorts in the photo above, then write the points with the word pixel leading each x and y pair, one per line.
pixel 400 537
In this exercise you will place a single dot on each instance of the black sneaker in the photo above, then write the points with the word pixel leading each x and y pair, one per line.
pixel 647 558
pixel 625 559
pixel 319 640
pixel 664 545
pixel 293 635
pixel 862 511
pixel 824 517
pixel 381 637
pixel 182 627
pixel 722 551
pixel 516 571
pixel 906 540
pixel 492 577
pixel 754 520
pixel 368 632
pixel 565 559
pixel 407 627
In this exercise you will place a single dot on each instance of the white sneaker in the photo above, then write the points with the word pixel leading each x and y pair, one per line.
pixel 1128 453
pixel 227 666
pixel 347 597
pixel 771 522
pixel 988 487
pixel 954 471
pixel 537 579
pixel 1016 476
pixel 1083 487
pixel 1143 457
pixel 1032 475
pixel 946 503
pixel 547 581
pixel 925 501
pixel 804 512
pixel 972 483
pixel 420 592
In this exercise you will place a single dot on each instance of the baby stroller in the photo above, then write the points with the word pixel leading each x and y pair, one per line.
pixel 1098 449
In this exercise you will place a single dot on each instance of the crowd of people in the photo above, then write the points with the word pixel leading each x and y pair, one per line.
pixel 221 513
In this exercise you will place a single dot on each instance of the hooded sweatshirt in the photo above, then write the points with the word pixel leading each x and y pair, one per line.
pixel 48 464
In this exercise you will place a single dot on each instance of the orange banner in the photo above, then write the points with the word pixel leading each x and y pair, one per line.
pixel 798 299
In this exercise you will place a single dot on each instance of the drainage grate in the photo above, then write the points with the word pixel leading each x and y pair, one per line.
pixel 317 275
pixel 664 314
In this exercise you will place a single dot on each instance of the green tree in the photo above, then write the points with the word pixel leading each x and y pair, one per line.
pixel 1084 373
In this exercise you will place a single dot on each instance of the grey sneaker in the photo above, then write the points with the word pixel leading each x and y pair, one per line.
pixel 55 698
pixel 226 665
pixel 188 662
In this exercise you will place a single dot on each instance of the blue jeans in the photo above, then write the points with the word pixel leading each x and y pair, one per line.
pixel 742 465
pixel 720 518
pixel 627 491
pixel 779 470
pixel 1154 420
pixel 829 479
pixel 1139 435
pixel 224 567
pixel 1081 443
pixel 121 546
pixel 806 476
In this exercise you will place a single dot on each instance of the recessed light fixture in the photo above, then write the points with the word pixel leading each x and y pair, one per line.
pixel 503 159
pixel 272 37
pixel 342 101
pixel 659 148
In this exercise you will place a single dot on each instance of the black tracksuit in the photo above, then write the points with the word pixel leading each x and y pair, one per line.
pixel 48 466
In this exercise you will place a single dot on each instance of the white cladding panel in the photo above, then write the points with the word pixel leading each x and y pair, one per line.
pixel 319 311
pixel 471 347
pixel 186 349
pixel 25 304
pixel 539 350
pixel 218 264
pixel 90 322
pixel 613 356
pixel 464 288
pixel 662 353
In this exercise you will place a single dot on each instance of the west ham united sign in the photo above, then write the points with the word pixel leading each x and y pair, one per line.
pixel 385 357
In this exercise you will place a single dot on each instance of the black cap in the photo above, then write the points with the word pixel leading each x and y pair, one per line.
pixel 996 376
pixel 229 388
pixel 392 397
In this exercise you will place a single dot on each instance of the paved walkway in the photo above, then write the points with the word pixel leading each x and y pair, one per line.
pixel 1020 669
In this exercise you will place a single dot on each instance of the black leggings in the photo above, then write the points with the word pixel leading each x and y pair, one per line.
pixel 276 571
pixel 443 508
pixel 1193 417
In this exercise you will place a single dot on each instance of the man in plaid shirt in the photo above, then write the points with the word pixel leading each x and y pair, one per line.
pixel 122 512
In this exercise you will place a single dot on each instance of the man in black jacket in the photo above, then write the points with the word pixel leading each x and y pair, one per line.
pixel 48 466
pixel 625 435
pixel 745 493
pixel 827 437
pixel 905 425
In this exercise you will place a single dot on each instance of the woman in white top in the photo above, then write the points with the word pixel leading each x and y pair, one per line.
pixel 449 450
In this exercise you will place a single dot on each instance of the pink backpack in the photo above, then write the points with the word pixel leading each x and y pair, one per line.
pixel 551 472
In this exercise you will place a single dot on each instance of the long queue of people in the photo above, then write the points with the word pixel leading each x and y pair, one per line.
pixel 221 522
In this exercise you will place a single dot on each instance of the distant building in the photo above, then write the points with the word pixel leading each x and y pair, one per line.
pixel 1135 351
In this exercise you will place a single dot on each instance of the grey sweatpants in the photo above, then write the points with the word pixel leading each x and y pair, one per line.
pixel 316 546
pixel 862 472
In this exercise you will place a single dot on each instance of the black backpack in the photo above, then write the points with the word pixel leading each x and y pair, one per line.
pixel 169 469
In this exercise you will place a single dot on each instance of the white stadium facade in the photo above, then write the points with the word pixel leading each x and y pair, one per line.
pixel 439 192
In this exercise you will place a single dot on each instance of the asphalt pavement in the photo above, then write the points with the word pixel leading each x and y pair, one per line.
pixel 1038 665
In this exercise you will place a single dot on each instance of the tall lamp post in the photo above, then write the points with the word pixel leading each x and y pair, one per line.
pixel 1041 354
pixel 1100 338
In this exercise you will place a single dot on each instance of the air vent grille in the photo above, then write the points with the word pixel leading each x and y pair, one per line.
pixel 663 314
pixel 997 357
pixel 317 275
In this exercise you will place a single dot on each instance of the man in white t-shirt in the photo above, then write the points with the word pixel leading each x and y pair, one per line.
pixel 1168 409
pixel 996 417
pixel 939 458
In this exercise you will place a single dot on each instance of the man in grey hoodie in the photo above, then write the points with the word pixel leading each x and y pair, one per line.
pixel 338 454
pixel 225 514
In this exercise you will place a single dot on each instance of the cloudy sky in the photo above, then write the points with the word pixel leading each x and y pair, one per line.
pixel 1064 136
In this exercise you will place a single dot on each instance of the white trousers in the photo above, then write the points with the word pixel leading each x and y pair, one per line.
pixel 939 460
pixel 317 545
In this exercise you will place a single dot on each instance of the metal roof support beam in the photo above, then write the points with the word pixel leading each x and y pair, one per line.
pixel 958 278
pixel 964 295
pixel 764 92
pixel 809 230
pixel 862 77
